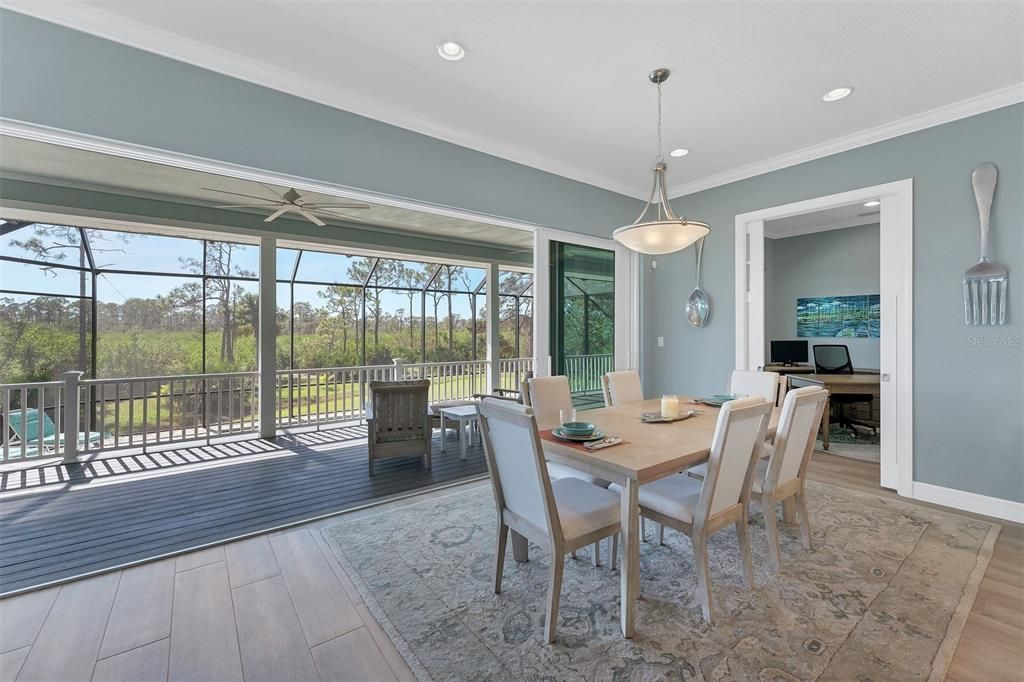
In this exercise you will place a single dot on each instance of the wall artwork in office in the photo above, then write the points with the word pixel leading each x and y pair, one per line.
pixel 839 316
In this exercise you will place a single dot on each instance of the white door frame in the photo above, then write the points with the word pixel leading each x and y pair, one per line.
pixel 896 288
pixel 627 297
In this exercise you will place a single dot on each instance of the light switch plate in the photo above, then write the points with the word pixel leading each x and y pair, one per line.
pixel 661 342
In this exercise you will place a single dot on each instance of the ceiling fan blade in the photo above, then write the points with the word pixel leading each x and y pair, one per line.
pixel 270 189
pixel 276 214
pixel 247 196
pixel 311 218
pixel 243 206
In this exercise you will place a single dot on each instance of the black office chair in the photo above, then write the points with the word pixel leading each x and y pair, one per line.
pixel 835 359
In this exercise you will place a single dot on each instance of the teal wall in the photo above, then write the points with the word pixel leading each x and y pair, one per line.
pixel 834 263
pixel 968 381
pixel 54 76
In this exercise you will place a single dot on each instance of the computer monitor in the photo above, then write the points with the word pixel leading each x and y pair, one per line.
pixel 789 352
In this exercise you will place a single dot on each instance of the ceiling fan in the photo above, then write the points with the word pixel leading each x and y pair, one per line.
pixel 292 202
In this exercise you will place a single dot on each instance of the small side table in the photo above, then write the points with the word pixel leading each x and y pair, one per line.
pixel 465 416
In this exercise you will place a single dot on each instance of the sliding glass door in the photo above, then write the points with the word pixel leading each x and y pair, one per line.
pixel 582 318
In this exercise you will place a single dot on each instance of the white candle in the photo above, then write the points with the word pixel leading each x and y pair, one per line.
pixel 670 407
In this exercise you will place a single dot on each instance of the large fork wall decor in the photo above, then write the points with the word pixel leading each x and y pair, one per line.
pixel 986 284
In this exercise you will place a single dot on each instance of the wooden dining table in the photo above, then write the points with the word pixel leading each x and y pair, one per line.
pixel 650 452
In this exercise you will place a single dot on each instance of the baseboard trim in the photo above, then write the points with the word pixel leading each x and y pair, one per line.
pixel 1008 510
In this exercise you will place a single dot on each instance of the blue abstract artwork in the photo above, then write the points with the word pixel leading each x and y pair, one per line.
pixel 839 317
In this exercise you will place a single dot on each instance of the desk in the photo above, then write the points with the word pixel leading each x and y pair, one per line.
pixel 838 384
pixel 652 451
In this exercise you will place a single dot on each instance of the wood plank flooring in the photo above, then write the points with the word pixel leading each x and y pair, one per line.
pixel 50 535
pixel 247 611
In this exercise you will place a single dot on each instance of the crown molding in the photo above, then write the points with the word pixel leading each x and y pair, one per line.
pixel 988 101
pixel 102 24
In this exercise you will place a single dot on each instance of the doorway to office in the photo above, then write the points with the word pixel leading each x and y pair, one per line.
pixel 850 319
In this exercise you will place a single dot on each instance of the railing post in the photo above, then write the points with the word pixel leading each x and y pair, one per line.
pixel 72 412
pixel 268 338
pixel 493 329
pixel 399 370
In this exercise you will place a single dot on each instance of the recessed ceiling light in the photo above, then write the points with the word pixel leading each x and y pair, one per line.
pixel 872 203
pixel 836 94
pixel 679 152
pixel 451 50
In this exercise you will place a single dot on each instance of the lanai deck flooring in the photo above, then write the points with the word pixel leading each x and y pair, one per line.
pixel 130 508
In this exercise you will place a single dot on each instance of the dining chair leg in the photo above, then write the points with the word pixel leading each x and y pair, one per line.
pixel 771 525
pixel 661 533
pixel 615 552
pixel 499 565
pixel 745 554
pixel 700 555
pixel 597 554
pixel 643 529
pixel 554 594
pixel 572 554
pixel 805 519
pixel 788 511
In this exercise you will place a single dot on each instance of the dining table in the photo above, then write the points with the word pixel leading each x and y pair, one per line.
pixel 649 451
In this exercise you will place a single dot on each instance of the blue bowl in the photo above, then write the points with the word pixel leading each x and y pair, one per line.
pixel 578 428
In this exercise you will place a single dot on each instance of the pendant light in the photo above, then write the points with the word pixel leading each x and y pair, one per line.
pixel 661 231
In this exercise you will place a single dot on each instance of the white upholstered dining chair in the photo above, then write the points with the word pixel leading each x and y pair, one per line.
pixel 744 382
pixel 700 508
pixel 621 387
pixel 562 514
pixel 549 397
pixel 781 472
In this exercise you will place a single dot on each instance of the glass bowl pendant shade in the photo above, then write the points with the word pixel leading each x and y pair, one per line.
pixel 658 230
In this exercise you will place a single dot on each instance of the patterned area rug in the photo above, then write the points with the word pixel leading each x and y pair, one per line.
pixel 883 596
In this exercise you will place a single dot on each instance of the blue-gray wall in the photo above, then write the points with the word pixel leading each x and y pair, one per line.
pixel 968 381
pixel 54 76
pixel 834 263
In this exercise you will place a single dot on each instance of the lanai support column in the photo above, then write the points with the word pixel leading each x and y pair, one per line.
pixel 268 338
pixel 493 329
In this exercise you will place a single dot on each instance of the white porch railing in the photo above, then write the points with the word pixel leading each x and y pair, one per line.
pixel 585 371
pixel 513 372
pixel 37 419
pixel 146 411
pixel 32 419
pixel 325 395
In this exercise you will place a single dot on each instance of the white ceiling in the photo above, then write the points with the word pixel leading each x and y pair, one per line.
pixel 563 87
pixel 821 221
pixel 65 166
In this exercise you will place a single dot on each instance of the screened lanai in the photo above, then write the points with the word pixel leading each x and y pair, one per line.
pixel 164 328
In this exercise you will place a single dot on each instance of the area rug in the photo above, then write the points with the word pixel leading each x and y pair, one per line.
pixel 883 596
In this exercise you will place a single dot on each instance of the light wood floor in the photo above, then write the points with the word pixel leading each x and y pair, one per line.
pixel 279 606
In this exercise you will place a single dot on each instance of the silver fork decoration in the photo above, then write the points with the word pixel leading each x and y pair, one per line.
pixel 987 283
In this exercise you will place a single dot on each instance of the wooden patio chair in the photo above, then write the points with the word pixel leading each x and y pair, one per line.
pixel 399 425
